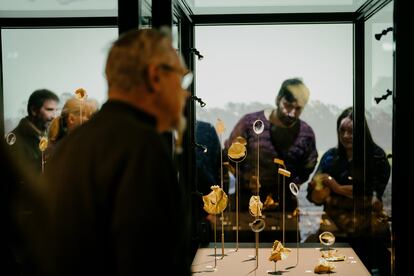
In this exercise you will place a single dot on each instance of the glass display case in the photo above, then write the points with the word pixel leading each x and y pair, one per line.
pixel 345 52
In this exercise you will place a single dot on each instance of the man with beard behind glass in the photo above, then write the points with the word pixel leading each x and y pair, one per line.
pixel 25 156
pixel 41 109
pixel 285 137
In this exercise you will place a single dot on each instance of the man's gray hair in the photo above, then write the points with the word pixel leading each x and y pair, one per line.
pixel 130 55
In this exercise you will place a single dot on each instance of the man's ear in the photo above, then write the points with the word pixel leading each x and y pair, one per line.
pixel 33 112
pixel 278 98
pixel 153 78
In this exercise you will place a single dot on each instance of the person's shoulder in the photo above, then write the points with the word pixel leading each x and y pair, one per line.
pixel 253 116
pixel 306 130
pixel 21 127
pixel 378 152
pixel 330 152
pixel 202 125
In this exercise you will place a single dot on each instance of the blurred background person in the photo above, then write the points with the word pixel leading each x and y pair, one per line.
pixel 332 186
pixel 208 170
pixel 25 158
pixel 41 109
pixel 74 113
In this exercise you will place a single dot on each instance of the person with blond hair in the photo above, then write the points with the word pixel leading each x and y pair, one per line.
pixel 74 113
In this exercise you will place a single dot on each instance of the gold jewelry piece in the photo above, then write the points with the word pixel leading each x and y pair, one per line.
pixel 216 201
pixel 333 255
pixel 279 162
pixel 284 172
pixel 255 206
pixel 236 151
pixel 220 128
pixel 324 267
pixel 81 94
pixel 241 140
pixel 270 203
pixel 327 238
pixel 279 252
pixel 43 143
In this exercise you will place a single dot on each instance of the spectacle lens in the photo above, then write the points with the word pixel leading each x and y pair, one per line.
pixel 187 80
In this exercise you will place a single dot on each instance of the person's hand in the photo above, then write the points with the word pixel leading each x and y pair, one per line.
pixel 329 181
pixel 319 196
pixel 377 205
pixel 320 192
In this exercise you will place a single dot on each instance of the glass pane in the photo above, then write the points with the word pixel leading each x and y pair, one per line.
pixel 379 111
pixel 60 60
pixel 271 6
pixel 146 13
pixel 241 72
pixel 58 8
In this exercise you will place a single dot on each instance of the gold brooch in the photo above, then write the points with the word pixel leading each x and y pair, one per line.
pixel 216 201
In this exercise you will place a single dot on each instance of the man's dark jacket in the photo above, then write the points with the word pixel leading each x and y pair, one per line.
pixel 117 207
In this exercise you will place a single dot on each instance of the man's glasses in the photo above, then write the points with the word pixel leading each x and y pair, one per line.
pixel 186 80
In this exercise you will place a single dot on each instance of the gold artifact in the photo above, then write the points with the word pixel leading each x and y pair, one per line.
pixel 241 140
pixel 295 212
pixel 284 172
pixel 279 162
pixel 270 203
pixel 43 143
pixel 236 151
pixel 81 94
pixel 255 206
pixel 333 255
pixel 327 238
pixel 279 252
pixel 220 128
pixel 216 201
pixel 324 267
pixel 318 182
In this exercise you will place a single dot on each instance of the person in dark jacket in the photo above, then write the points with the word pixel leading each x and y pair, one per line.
pixel 24 139
pixel 26 156
pixel 116 205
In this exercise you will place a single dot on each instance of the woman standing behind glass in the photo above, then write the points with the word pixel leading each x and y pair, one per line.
pixel 332 183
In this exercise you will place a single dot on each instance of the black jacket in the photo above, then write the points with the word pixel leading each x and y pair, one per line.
pixel 116 202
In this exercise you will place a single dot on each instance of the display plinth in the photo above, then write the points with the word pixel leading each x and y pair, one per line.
pixel 241 262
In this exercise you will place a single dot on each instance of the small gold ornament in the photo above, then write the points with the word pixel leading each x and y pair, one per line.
pixel 220 128
pixel 81 94
pixel 255 206
pixel 333 255
pixel 236 151
pixel 324 267
pixel 270 203
pixel 216 201
pixel 241 140
pixel 43 143
pixel 279 252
